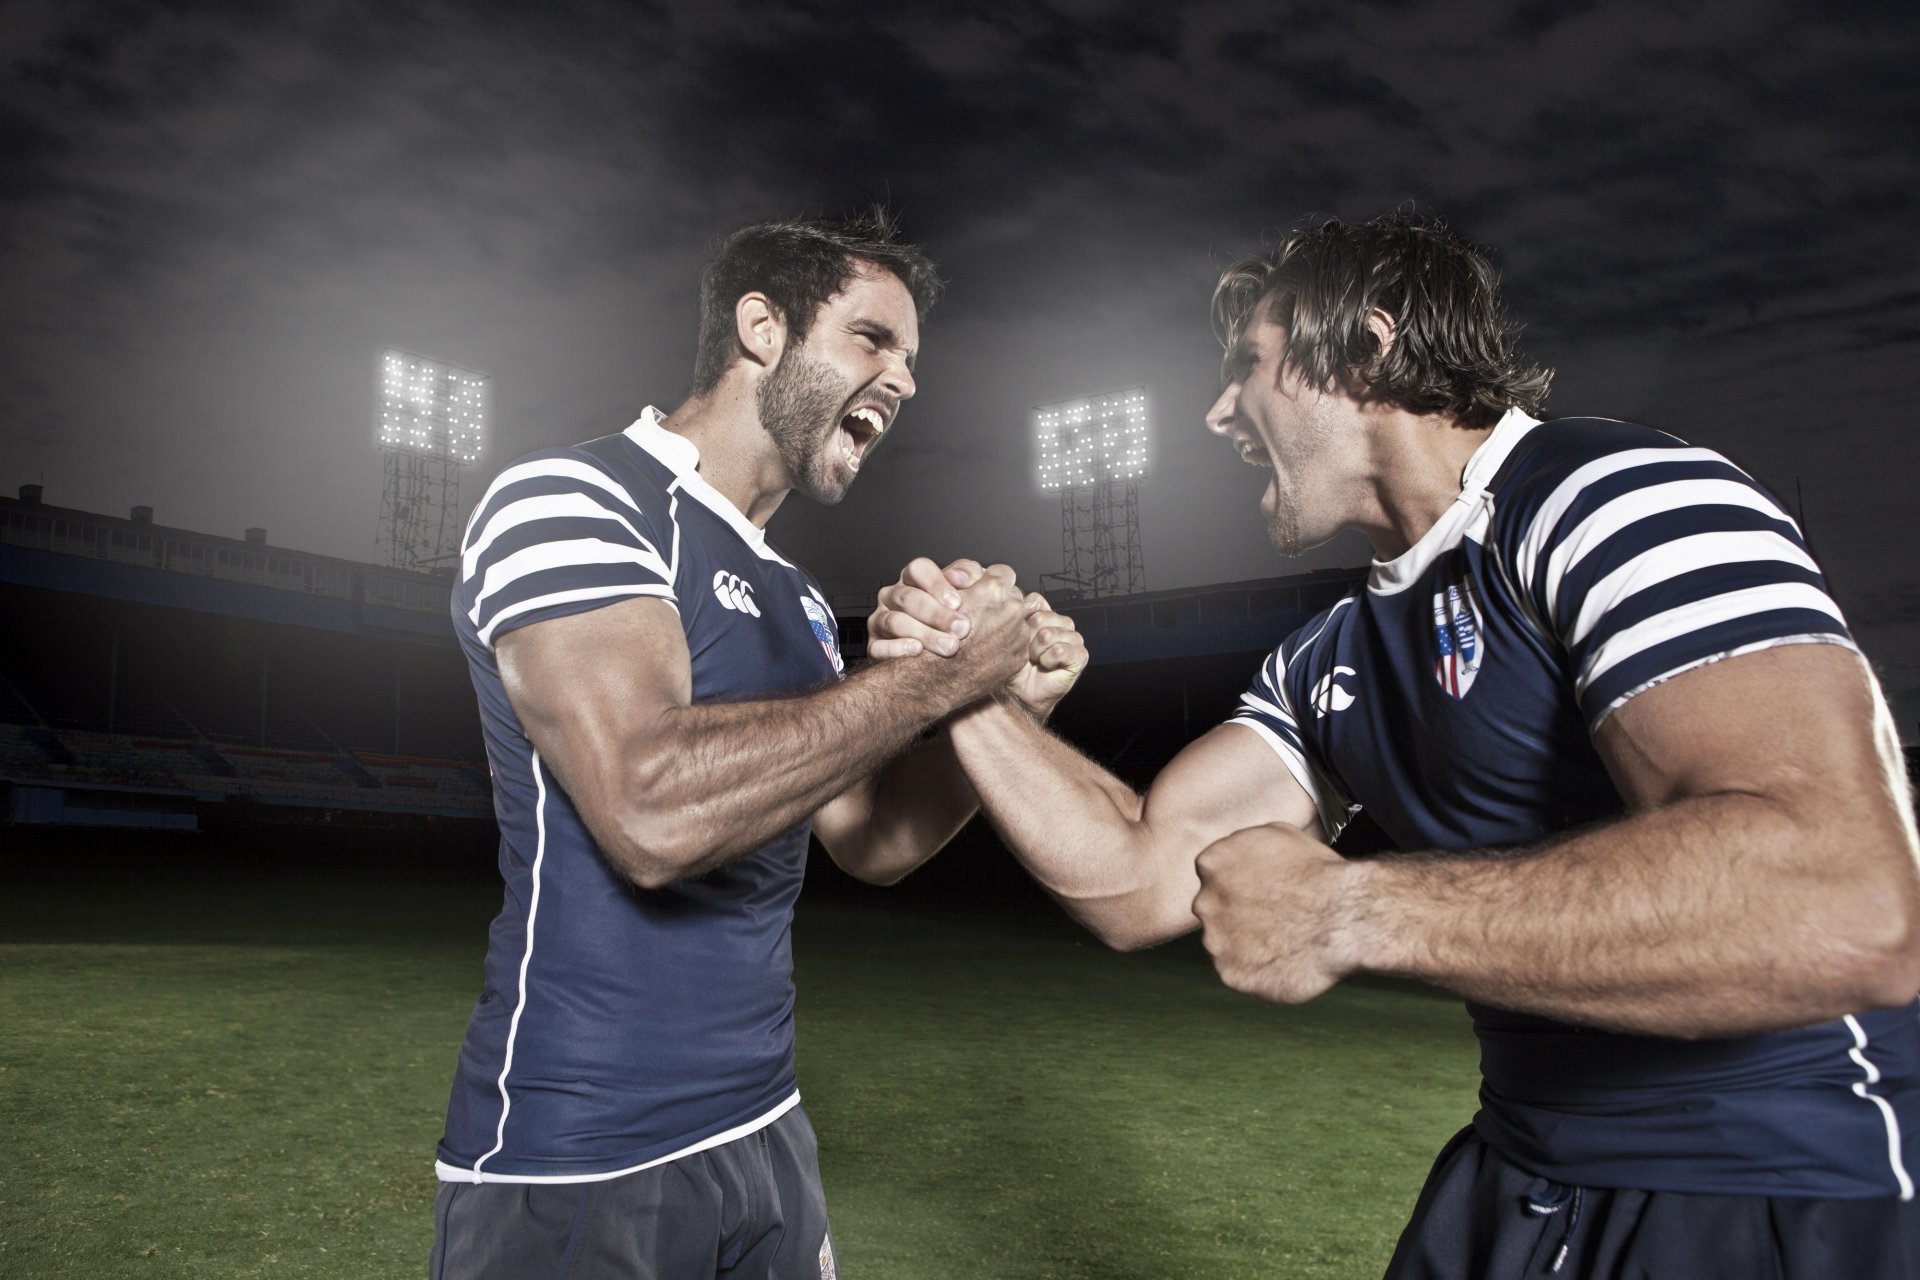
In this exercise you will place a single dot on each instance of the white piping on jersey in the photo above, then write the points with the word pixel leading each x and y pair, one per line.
pixel 1631 508
pixel 1547 518
pixel 541 556
pixel 1327 800
pixel 1332 805
pixel 1279 664
pixel 673 518
pixel 1886 1108
pixel 526 958
pixel 1697 616
pixel 545 506
pixel 1469 515
pixel 1669 560
pixel 682 457
pixel 663 591
pixel 454 1173
pixel 1261 704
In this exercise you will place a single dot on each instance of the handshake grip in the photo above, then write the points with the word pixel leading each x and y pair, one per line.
pixel 995 648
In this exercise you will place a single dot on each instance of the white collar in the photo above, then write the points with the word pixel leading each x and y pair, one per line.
pixel 1389 576
pixel 1492 454
pixel 682 457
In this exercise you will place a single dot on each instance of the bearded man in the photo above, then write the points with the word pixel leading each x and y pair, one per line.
pixel 666 719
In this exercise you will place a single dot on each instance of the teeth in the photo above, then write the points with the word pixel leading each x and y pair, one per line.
pixel 872 418
pixel 1254 455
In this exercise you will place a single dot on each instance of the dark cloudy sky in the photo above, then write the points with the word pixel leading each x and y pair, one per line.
pixel 212 217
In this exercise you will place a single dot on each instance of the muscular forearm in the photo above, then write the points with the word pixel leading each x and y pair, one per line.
pixel 1715 915
pixel 913 806
pixel 711 781
pixel 1076 828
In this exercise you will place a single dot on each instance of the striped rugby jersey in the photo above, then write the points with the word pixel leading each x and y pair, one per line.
pixel 621 1027
pixel 1454 695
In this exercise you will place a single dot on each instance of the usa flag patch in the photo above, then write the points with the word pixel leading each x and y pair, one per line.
pixel 1458 644
pixel 820 618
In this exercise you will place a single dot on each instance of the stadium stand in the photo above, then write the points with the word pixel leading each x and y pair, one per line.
pixel 156 676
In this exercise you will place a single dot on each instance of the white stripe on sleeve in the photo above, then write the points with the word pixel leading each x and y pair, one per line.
pixel 1670 560
pixel 1569 491
pixel 1637 505
pixel 1699 615
pixel 544 556
pixel 545 506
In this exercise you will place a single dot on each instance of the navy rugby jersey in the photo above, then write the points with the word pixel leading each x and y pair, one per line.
pixel 620 1027
pixel 1454 695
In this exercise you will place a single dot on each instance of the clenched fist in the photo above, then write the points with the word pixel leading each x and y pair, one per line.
pixel 1278 912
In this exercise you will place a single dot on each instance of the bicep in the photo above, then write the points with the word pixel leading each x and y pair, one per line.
pixel 587 686
pixel 1799 724
pixel 840 819
pixel 1225 781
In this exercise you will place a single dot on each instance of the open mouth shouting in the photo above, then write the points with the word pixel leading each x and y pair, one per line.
pixel 859 431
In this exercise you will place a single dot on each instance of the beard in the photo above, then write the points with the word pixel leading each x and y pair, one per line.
pixel 800 405
pixel 1301 518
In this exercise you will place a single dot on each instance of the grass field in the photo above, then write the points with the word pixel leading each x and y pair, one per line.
pixel 223 1067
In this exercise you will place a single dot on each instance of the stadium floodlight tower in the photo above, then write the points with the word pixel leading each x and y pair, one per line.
pixel 1093 452
pixel 431 419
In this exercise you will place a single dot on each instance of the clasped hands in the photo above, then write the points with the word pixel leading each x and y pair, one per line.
pixel 933 610
pixel 1275 905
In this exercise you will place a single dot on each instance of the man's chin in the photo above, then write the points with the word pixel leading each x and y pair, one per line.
pixel 1290 542
pixel 828 491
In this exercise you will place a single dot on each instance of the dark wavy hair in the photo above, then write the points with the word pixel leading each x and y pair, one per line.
pixel 799 264
pixel 1452 351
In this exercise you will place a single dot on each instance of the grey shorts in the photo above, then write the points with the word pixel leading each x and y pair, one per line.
pixel 750 1210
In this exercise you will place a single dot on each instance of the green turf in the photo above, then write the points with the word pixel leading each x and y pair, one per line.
pixel 215 1072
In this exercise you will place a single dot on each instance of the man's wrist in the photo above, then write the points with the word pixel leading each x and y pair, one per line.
pixel 1016 705
pixel 1362 947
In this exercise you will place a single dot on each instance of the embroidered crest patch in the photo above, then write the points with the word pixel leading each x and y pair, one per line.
pixel 820 618
pixel 1459 647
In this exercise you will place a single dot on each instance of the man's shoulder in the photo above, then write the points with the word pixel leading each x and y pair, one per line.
pixel 1557 449
pixel 1566 470
pixel 610 469
pixel 1321 632
pixel 614 457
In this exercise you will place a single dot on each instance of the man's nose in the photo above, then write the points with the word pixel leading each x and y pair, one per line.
pixel 1220 417
pixel 898 381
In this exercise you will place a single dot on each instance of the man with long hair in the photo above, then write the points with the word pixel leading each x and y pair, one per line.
pixel 665 719
pixel 1653 820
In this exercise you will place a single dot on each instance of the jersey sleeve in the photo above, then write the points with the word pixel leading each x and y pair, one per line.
pixel 1267 709
pixel 556 535
pixel 1649 562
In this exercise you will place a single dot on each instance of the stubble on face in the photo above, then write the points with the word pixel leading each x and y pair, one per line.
pixel 1302 518
pixel 800 406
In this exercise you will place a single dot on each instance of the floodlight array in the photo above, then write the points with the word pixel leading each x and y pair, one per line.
pixel 431 408
pixel 1097 438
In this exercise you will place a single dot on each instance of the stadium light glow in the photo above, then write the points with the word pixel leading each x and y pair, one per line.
pixel 429 407
pixel 1092 439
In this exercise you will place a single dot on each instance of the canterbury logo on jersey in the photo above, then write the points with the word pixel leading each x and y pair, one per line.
pixel 1329 696
pixel 730 591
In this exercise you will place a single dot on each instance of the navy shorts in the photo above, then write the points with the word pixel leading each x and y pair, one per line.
pixel 1481 1217
pixel 749 1210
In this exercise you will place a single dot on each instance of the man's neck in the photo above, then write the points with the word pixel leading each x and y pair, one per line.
pixel 1419 465
pixel 737 456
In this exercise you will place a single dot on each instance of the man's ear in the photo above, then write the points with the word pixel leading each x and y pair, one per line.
pixel 759 329
pixel 1383 329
